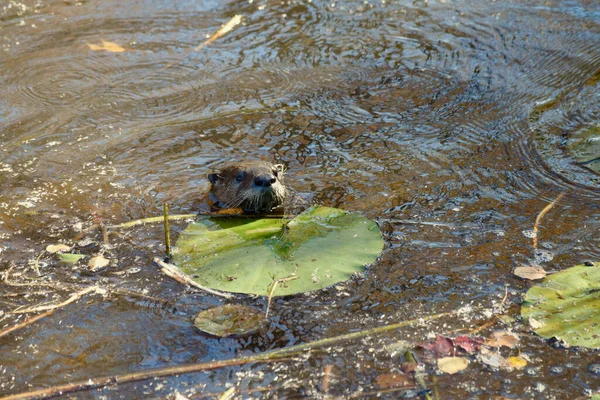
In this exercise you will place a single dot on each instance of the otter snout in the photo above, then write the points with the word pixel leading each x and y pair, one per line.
pixel 265 180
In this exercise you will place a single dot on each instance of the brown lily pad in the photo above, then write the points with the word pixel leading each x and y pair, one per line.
pixel 230 320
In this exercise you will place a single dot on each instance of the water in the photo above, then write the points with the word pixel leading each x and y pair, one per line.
pixel 451 113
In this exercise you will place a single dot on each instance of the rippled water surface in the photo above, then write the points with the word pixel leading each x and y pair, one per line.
pixel 446 121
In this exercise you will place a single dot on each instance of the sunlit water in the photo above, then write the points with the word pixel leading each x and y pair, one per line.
pixel 451 113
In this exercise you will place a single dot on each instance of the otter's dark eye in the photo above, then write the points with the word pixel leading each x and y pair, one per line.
pixel 239 177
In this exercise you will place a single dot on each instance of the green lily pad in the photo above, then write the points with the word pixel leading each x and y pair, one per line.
pixel 584 146
pixel 230 320
pixel 566 305
pixel 318 248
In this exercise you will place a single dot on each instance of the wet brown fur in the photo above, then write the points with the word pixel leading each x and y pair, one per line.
pixel 235 186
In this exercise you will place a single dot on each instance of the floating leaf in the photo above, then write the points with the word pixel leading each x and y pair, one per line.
pixel 566 305
pixel 517 362
pixel 57 248
pixel 230 320
pixel 467 343
pixel 107 46
pixel 530 273
pixel 504 338
pixel 98 262
pixel 70 258
pixel 452 365
pixel 493 359
pixel 320 247
pixel 442 346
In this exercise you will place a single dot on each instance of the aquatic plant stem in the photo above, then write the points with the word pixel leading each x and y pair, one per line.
pixel 167 230
pixel 151 220
pixel 270 356
pixel 541 215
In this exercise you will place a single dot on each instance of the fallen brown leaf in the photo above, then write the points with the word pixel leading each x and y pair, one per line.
pixel 503 338
pixel 530 273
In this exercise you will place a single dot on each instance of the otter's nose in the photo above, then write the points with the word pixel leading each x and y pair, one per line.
pixel 265 180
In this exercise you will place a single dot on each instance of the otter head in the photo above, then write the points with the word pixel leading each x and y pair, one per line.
pixel 255 187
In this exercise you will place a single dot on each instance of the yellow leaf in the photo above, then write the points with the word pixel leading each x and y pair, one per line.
pixel 452 365
pixel 98 262
pixel 517 362
pixel 106 46
pixel 57 248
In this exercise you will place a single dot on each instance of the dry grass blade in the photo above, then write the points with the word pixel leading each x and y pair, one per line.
pixel 224 29
pixel 53 306
pixel 541 216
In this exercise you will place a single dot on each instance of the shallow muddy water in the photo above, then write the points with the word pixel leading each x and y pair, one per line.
pixel 447 122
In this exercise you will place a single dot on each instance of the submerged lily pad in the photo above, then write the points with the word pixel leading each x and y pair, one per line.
pixel 566 305
pixel 584 146
pixel 230 320
pixel 319 247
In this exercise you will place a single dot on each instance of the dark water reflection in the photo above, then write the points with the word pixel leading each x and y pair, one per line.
pixel 449 112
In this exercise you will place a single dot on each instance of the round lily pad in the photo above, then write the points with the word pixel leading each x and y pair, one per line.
pixel 318 248
pixel 566 305
pixel 230 320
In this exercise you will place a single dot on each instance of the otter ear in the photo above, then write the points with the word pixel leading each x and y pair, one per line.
pixel 213 178
pixel 279 168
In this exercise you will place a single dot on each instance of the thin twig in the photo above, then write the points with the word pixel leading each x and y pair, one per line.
pixel 270 356
pixel 18 284
pixel 539 219
pixel 74 297
pixel 224 29
pixel 167 229
pixel 272 287
pixel 25 323
pixel 37 262
pixel 228 394
pixel 174 272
